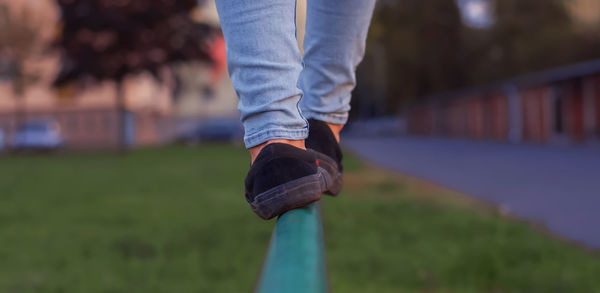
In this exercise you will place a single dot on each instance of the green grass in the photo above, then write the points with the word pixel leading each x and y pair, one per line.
pixel 175 220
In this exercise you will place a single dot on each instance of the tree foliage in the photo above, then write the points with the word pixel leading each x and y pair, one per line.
pixel 109 39
pixel 428 49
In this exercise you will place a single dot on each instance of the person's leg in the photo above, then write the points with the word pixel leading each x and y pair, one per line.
pixel 334 45
pixel 264 63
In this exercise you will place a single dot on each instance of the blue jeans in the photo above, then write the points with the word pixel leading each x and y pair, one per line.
pixel 278 89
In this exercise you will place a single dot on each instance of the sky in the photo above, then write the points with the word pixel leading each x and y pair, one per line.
pixel 477 14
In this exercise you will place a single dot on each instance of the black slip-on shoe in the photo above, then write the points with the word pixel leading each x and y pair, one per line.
pixel 322 142
pixel 282 178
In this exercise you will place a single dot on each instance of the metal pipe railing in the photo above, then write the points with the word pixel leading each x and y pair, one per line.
pixel 295 261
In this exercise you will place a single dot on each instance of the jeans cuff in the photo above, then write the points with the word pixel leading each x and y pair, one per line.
pixel 254 139
pixel 334 118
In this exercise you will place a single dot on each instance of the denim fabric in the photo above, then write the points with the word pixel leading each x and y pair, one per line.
pixel 269 73
pixel 336 32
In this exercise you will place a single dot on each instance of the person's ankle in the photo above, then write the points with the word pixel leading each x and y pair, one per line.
pixel 336 128
pixel 254 151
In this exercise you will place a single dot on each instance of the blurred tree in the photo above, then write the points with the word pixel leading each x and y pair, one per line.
pixel 421 41
pixel 20 42
pixel 427 48
pixel 528 36
pixel 110 39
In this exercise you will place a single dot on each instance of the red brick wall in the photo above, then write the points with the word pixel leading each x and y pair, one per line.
pixel 576 114
pixel 458 118
pixel 536 119
pixel 498 117
pixel 487 116
pixel 572 95
pixel 597 104
pixel 420 121
pixel 476 117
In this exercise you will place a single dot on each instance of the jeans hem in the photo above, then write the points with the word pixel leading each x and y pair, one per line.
pixel 333 118
pixel 262 136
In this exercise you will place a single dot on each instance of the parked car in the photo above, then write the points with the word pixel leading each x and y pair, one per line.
pixel 38 135
pixel 214 129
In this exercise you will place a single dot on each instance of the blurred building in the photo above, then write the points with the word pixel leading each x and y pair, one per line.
pixel 205 90
pixel 88 114
pixel 554 106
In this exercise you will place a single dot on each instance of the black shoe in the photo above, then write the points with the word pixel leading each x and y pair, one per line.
pixel 282 178
pixel 322 142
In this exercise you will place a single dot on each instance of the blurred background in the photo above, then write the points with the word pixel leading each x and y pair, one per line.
pixel 111 73
pixel 472 151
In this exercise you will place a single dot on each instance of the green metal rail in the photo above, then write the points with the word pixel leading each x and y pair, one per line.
pixel 295 261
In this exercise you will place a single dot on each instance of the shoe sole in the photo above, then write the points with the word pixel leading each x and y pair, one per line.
pixel 291 195
pixel 333 177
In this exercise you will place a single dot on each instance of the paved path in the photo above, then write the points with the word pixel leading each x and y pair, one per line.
pixel 556 186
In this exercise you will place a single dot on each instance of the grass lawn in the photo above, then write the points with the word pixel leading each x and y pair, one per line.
pixel 174 220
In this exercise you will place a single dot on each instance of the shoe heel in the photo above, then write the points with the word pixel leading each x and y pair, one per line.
pixel 292 195
pixel 331 185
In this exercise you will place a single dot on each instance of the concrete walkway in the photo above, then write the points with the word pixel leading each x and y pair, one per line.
pixel 556 186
